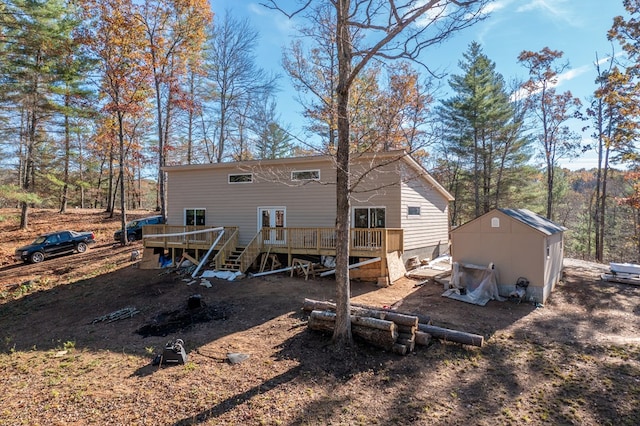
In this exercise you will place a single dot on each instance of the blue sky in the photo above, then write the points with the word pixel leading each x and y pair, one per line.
pixel 576 27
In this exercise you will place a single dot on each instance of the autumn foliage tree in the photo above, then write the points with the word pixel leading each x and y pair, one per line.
pixel 552 111
pixel 620 94
pixel 174 33
pixel 116 37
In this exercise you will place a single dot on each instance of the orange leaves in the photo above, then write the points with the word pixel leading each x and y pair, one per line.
pixel 115 37
pixel 388 114
pixel 633 178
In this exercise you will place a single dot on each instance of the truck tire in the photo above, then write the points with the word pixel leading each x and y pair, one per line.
pixel 81 247
pixel 36 257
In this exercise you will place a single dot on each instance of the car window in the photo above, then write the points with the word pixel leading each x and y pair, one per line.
pixel 39 240
pixel 132 224
pixel 64 236
pixel 53 239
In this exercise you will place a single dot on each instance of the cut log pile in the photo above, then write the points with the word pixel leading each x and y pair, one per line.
pixel 385 328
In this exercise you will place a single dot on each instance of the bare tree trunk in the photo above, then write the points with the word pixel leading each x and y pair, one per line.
pixel 160 205
pixel 110 183
pixel 342 333
pixel 550 173
pixel 123 199
pixel 29 177
pixel 67 155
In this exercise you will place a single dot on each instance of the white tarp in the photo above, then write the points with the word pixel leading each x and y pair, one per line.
pixel 223 275
pixel 473 284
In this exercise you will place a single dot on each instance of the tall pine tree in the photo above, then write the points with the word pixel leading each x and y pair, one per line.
pixel 38 37
pixel 483 133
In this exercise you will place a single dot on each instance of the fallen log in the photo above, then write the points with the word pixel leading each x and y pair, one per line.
pixel 377 332
pixel 452 335
pixel 399 349
pixel 318 305
pixel 400 318
pixel 407 329
pixel 422 338
pixel 424 319
pixel 374 323
pixel 380 338
pixel 409 340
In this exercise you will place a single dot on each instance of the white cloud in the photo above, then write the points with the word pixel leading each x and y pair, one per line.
pixel 494 6
pixel 571 74
pixel 552 8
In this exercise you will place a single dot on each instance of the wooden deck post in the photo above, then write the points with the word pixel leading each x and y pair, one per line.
pixel 383 256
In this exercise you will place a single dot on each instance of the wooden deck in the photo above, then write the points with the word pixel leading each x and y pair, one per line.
pixel 294 242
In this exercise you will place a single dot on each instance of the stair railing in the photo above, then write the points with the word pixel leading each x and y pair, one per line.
pixel 250 252
pixel 230 244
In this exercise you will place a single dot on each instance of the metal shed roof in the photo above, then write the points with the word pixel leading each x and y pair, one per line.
pixel 534 220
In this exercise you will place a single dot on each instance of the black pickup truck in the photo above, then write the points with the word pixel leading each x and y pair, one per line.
pixel 53 244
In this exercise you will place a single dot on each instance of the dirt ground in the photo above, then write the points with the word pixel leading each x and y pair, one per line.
pixel 574 361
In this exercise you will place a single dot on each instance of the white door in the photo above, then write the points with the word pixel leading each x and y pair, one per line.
pixel 272 217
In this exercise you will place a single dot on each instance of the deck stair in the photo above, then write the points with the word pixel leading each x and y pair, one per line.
pixel 233 261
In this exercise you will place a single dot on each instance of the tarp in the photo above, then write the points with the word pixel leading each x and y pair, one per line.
pixel 473 284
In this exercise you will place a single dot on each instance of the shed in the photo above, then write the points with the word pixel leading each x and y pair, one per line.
pixel 520 243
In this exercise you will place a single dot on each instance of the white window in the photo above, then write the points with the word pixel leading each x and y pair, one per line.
pixel 413 210
pixel 305 175
pixel 241 178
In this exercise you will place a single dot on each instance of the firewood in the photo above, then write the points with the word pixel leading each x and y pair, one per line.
pixel 377 332
pixel 321 321
pixel 407 329
pixel 399 348
pixel 374 323
pixel 381 338
pixel 422 338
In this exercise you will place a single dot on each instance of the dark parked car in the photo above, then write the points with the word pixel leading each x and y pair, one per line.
pixel 134 228
pixel 53 244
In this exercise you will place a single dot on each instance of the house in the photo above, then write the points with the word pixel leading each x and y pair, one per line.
pixel 519 243
pixel 291 202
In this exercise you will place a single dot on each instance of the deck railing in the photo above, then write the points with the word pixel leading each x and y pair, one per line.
pixel 373 242
pixel 199 240
pixel 382 240
pixel 225 250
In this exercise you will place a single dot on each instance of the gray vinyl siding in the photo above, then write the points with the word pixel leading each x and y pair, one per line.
pixel 431 227
pixel 378 189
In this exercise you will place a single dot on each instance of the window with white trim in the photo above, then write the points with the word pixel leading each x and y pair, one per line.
pixel 369 217
pixel 241 178
pixel 305 175
pixel 413 210
pixel 194 217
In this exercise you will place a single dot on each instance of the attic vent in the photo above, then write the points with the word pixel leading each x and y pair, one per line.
pixel 495 222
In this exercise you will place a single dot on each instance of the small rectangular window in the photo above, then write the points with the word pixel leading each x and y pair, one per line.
pixel 305 175
pixel 241 178
pixel 413 211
